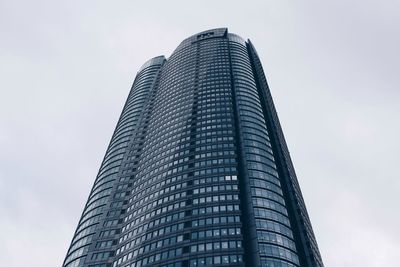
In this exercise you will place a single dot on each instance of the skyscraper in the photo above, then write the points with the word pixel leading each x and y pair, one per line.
pixel 197 172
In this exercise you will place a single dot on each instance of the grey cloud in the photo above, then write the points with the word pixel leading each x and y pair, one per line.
pixel 66 69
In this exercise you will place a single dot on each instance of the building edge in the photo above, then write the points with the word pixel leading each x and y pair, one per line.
pixel 306 244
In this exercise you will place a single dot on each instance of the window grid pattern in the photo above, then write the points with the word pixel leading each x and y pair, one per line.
pixel 189 136
pixel 273 230
pixel 308 247
pixel 104 206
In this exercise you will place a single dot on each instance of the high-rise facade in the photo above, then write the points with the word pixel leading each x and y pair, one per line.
pixel 197 172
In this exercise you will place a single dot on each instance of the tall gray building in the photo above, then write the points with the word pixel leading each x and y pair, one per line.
pixel 197 172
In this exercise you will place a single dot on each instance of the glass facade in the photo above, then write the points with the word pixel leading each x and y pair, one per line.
pixel 197 172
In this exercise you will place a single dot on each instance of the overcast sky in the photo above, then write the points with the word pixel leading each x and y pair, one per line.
pixel 66 68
